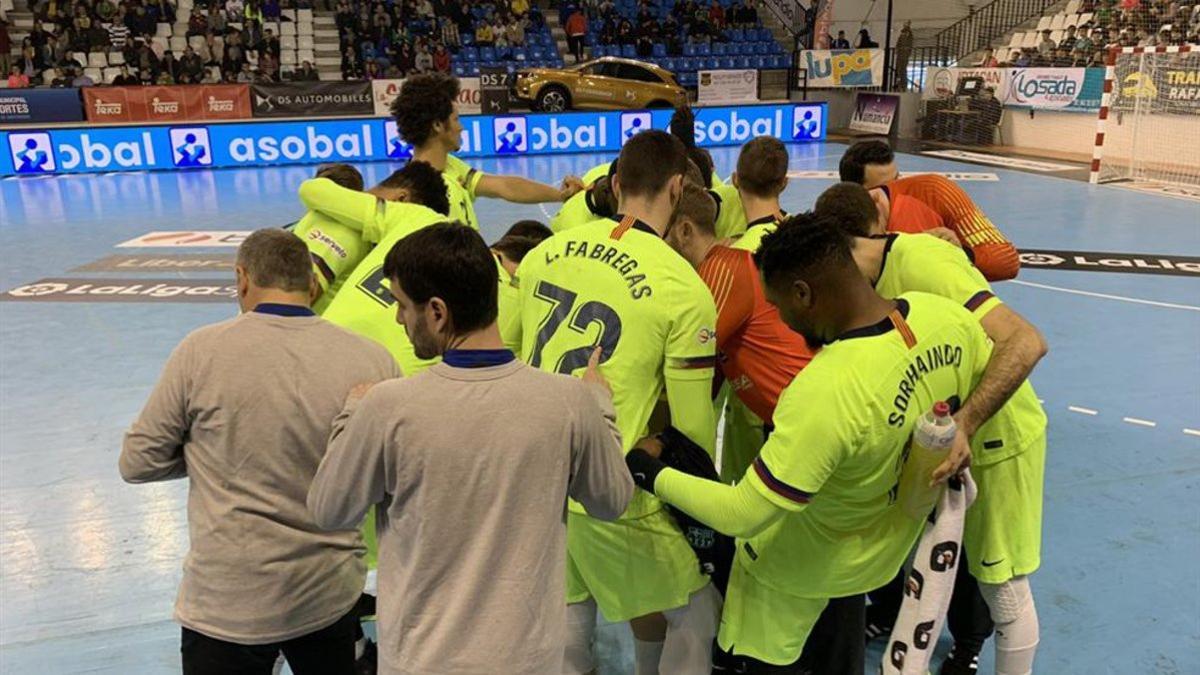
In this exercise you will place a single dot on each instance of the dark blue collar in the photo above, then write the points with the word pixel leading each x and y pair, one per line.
pixel 477 358
pixel 283 310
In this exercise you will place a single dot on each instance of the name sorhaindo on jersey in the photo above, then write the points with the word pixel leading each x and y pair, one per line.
pixel 941 356
pixel 622 263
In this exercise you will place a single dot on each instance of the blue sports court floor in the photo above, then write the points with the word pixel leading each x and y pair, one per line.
pixel 90 565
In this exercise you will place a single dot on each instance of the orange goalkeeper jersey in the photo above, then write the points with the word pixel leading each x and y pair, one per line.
pixel 758 354
pixel 926 201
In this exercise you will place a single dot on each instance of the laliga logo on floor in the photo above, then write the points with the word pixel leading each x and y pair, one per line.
pixel 190 147
pixel 396 147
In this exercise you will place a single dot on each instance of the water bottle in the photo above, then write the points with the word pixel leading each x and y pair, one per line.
pixel 931 442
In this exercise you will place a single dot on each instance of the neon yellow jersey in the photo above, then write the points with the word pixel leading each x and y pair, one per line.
pixel 751 240
pixel 620 286
pixel 335 249
pixel 366 305
pixel 922 262
pixel 841 428
pixel 509 304
pixel 576 211
pixel 731 218
pixel 461 183
pixel 596 173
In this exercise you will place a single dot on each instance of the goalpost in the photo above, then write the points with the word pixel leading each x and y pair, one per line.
pixel 1148 128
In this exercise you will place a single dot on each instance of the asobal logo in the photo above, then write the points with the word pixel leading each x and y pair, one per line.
pixel 97 154
pixel 297 148
pixel 31 153
pixel 190 147
pixel 633 124
pixel 806 123
pixel 396 147
pixel 569 132
pixel 736 128
pixel 510 135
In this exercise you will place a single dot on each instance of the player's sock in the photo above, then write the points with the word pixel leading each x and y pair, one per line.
pixel 1011 604
pixel 690 633
pixel 646 657
pixel 581 629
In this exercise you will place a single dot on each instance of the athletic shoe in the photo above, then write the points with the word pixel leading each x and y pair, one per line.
pixel 956 664
pixel 878 625
pixel 368 662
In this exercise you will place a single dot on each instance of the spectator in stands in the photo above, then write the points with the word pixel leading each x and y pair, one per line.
pixel 5 46
pixel 145 78
pixel 16 78
pixel 124 78
pixel 865 41
pixel 645 46
pixel 61 79
pixel 1069 39
pixel 990 111
pixel 169 65
pixel 82 79
pixel 500 37
pixel 484 36
pixel 270 43
pixel 576 30
pixel 270 11
pixel 405 60
pixel 142 23
pixel 1145 38
pixel 750 13
pixel 268 65
pixel 217 21
pixel 449 33
pixel 521 7
pixel 989 59
pixel 235 53
pixel 1080 58
pixel 441 59
pixel 423 60
pixel 536 20
pixel 1061 58
pixel 716 14
pixel 1047 46
pixel 306 73
pixel 371 70
pixel 516 32
pixel 351 70
pixel 144 60
pixel 1084 43
pixel 197 22
pixel 246 75
pixel 191 64
pixel 841 42
pixel 210 76
pixel 625 35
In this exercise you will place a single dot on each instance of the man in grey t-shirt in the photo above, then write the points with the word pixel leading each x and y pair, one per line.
pixel 243 410
pixel 470 465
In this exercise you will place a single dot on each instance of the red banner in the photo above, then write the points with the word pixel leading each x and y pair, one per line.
pixel 189 103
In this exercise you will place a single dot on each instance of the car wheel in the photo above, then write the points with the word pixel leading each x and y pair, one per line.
pixel 553 99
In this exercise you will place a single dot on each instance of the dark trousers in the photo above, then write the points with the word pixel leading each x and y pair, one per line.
pixel 575 44
pixel 834 647
pixel 329 651
pixel 969 620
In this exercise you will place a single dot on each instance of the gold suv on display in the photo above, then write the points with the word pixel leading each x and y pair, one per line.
pixel 608 83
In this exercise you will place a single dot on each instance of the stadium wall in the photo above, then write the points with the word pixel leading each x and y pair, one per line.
pixel 82 149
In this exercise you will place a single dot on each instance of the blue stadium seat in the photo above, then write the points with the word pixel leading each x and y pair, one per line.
pixel 703 49
pixel 668 63
pixel 736 35
pixel 487 54
pixel 728 63
pixel 689 49
pixel 469 54
pixel 474 71
pixel 719 49
pixel 629 51
pixel 660 50
pixel 744 63
pixel 759 62
pixel 460 70
pixel 468 39
pixel 781 61
pixel 711 63
pixel 537 54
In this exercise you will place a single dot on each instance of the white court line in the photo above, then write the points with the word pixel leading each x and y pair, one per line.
pixel 1192 432
pixel 1106 296
pixel 1085 411
pixel 1139 422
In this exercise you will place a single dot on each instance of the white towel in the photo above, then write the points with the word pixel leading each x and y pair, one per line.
pixel 930 583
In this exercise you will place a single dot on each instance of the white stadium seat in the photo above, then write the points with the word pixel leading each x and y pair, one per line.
pixel 1044 23
pixel 1017 39
pixel 96 74
pixel 287 42
pixel 1032 38
pixel 288 14
pixel 287 58
pixel 1058 22
pixel 304 16
pixel 304 29
pixel 1083 18
pixel 110 73
pixel 97 60
pixel 47 77
pixel 196 41
pixel 287 28
pixel 305 42
pixel 306 55
pixel 116 58
pixel 164 30
pixel 1073 6
pixel 178 44
pixel 1057 35
pixel 159 45
pixel 81 57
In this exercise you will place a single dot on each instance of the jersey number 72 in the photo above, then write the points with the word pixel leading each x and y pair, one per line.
pixel 562 302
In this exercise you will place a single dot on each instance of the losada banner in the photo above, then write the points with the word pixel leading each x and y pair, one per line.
pixel 187 103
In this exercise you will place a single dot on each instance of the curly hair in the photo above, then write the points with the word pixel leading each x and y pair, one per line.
pixel 425 183
pixel 424 100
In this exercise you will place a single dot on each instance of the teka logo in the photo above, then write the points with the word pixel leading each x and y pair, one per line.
pixel 633 124
pixel 396 147
pixel 220 105
pixel 510 135
pixel 190 147
pixel 31 153
pixel 806 123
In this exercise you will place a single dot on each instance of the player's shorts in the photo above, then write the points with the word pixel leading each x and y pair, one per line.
pixel 631 567
pixel 744 438
pixel 764 623
pixel 1003 531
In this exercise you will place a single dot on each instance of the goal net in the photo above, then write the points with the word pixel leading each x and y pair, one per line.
pixel 1149 123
